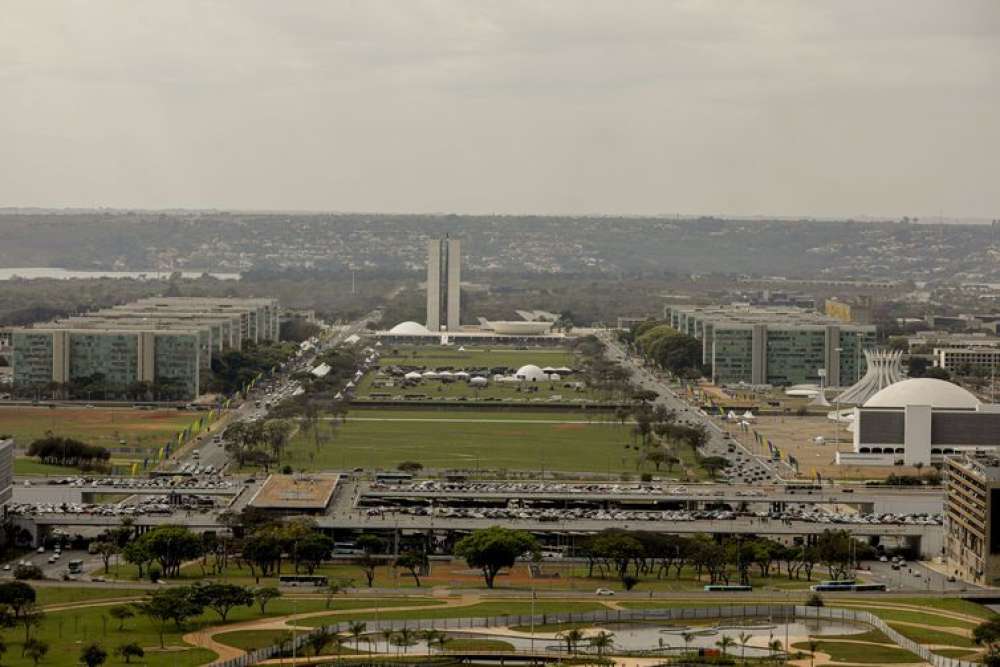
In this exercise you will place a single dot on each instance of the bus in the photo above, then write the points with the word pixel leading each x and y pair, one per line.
pixel 316 580
pixel 719 588
pixel 846 586
pixel 75 567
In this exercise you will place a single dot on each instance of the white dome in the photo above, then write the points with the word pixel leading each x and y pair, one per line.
pixel 923 391
pixel 531 373
pixel 410 329
pixel 478 380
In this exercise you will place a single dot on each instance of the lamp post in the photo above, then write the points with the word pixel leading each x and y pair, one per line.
pixel 836 404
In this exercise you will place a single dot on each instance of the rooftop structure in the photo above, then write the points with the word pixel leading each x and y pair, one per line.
pixel 774 345
pixel 295 494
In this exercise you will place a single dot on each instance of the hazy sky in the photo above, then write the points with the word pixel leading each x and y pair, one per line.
pixel 838 107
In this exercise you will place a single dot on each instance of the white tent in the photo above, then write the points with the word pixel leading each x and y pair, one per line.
pixel 479 381
pixel 430 375
pixel 413 375
pixel 748 416
pixel 445 374
pixel 731 416
pixel 461 375
pixel 563 370
pixel 530 373
pixel 553 376
pixel 549 370
pixel 461 348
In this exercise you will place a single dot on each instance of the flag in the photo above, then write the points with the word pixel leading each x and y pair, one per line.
pixel 135 468
pixel 159 456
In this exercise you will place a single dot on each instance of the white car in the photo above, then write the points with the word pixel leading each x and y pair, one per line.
pixel 604 591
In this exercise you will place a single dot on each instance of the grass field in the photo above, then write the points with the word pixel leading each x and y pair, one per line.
pixel 26 466
pixel 482 609
pixel 578 441
pixel 873 654
pixel 106 427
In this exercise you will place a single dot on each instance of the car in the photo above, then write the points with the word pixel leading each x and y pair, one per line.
pixel 883 559
pixel 604 591
pixel 41 550
pixel 6 567
pixel 52 559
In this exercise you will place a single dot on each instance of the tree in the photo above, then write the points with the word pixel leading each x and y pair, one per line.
pixel 356 629
pixel 31 617
pixel 17 595
pixel 988 634
pixel 93 655
pixel 121 614
pixel 129 651
pixel 262 550
pixel 313 550
pixel 834 550
pixel 171 604
pixel 405 638
pixel 264 596
pixel 410 466
pixel 493 549
pixel 276 433
pixel 170 546
pixel 222 598
pixel 319 639
pixel 724 643
pixel 106 551
pixel 435 637
pixel 137 553
pixel 413 563
pixel 601 641
pixel 815 600
pixel 813 647
pixel 688 637
pixel 745 638
pixel 35 650
pixel 572 637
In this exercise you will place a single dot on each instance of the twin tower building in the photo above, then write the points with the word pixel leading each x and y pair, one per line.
pixel 444 276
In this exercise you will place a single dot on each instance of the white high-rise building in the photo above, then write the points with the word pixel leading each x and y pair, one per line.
pixel 444 259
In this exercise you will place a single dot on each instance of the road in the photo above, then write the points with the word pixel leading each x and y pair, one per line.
pixel 211 448
pixel 747 467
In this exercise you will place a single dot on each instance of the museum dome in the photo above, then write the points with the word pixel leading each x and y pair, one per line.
pixel 924 391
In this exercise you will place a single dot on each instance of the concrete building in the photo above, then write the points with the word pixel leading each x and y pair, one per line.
pixel 774 346
pixel 967 359
pixel 858 312
pixel 6 471
pixel 972 536
pixel 165 344
pixel 444 260
pixel 920 421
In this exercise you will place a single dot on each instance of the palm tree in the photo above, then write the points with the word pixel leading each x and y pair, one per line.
pixel 774 646
pixel 813 645
pixel 433 637
pixel 387 635
pixel 572 637
pixel 724 643
pixel 405 638
pixel 356 629
pixel 601 641
pixel 688 637
pixel 745 637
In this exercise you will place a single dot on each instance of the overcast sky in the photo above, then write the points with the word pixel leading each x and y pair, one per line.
pixel 835 108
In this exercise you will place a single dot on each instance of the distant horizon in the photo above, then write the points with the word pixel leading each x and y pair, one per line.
pixel 761 217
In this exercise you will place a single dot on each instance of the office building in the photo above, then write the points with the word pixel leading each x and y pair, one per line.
pixel 6 471
pixel 967 360
pixel 774 345
pixel 161 347
pixel 444 261
pixel 972 538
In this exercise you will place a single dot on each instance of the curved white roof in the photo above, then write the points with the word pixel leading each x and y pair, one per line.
pixel 923 391
pixel 531 373
pixel 410 329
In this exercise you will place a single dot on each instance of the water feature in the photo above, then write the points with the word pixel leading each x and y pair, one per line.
pixel 654 637
pixel 66 274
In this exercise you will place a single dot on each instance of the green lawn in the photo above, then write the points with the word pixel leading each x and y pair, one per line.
pixel 471 644
pixel 861 653
pixel 251 640
pixel 578 441
pixel 50 595
pixel 950 604
pixel 928 636
pixel 26 466
pixel 492 608
pixel 928 617
pixel 97 426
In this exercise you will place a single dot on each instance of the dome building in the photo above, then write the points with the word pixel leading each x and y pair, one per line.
pixel 919 421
